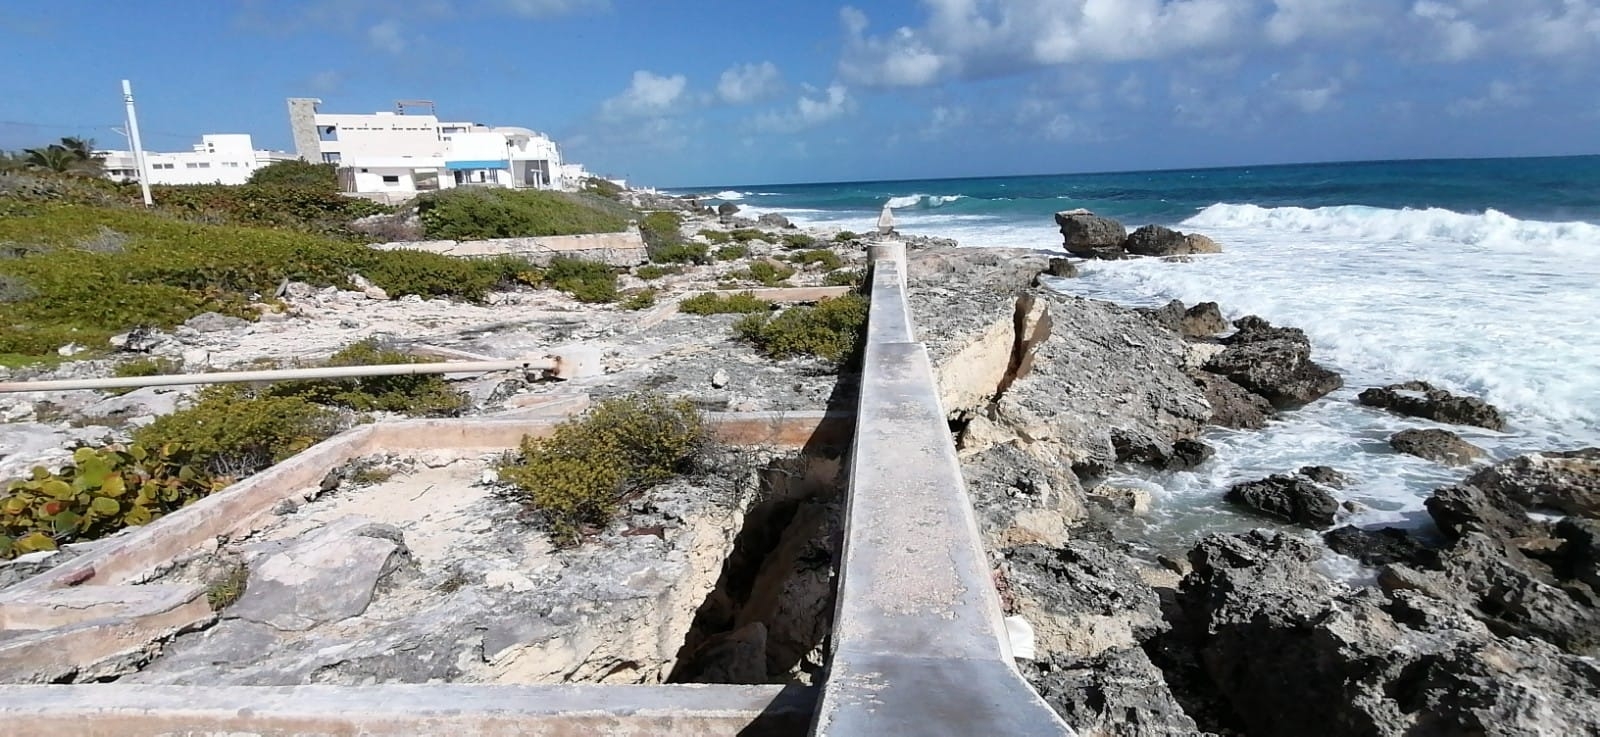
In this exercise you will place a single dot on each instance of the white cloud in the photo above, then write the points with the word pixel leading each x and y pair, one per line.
pixel 942 119
pixel 325 81
pixel 552 8
pixel 1294 20
pixel 647 95
pixel 812 109
pixel 1310 88
pixel 1500 95
pixel 748 83
pixel 387 36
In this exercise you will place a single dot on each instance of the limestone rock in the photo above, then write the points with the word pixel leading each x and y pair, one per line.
pixel 1202 320
pixel 325 576
pixel 1325 475
pixel 212 322
pixel 719 378
pixel 1289 498
pixel 1118 692
pixel 142 339
pixel 1378 547
pixel 774 220
pixel 1274 363
pixel 726 211
pixel 1441 446
pixel 1200 244
pixel 1062 267
pixel 1232 405
pixel 1127 499
pixel 1081 598
pixel 1421 399
pixel 1565 480
pixel 1087 235
pixel 1155 240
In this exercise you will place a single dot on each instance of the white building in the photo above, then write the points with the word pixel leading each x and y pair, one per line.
pixel 227 158
pixel 404 153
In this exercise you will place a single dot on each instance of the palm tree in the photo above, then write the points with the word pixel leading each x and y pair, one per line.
pixel 72 155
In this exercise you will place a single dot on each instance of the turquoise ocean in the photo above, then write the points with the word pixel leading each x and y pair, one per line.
pixel 1480 276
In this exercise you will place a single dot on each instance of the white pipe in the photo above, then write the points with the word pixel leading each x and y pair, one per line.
pixel 138 149
pixel 325 372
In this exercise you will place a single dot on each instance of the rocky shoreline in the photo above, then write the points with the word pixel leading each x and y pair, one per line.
pixel 1489 627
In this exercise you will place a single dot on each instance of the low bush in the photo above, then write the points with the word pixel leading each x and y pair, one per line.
pixel 298 173
pixel 712 303
pixel 652 272
pixel 586 281
pixel 844 236
pixel 732 253
pixel 767 273
pixel 716 237
pixel 313 208
pixel 233 431
pixel 661 229
pixel 831 330
pixel 827 258
pixel 640 300
pixel 601 188
pixel 473 213
pixel 745 235
pixel 798 240
pixel 98 493
pixel 577 476
pixel 845 278
pixel 421 395
pixel 680 253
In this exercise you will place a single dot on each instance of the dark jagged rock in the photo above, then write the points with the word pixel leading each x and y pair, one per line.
pixel 1118 693
pixel 1421 399
pixel 1155 240
pixel 1464 508
pixel 1083 582
pixel 1288 498
pixel 1135 447
pixel 1087 235
pixel 1440 446
pixel 1379 547
pixel 1580 555
pixel 1232 405
pixel 1365 662
pixel 1274 363
pixel 1187 454
pixel 1568 481
pixel 1325 475
pixel 1062 267
pixel 774 220
pixel 1202 320
pixel 726 211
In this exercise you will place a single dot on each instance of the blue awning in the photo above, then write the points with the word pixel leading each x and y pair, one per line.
pixel 485 164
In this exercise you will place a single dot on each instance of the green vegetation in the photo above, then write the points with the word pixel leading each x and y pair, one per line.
pixel 577 477
pixel 228 587
pixel 313 209
pixel 661 229
pixel 716 237
pixel 652 272
pixel 745 235
pixel 473 213
pixel 732 253
pixel 422 395
pixel 844 236
pixel 601 188
pixel 845 278
pixel 640 300
pixel 766 272
pixel 297 173
pixel 586 281
pixel 712 303
pixel 99 492
pixel 798 240
pixel 827 258
pixel 680 253
pixel 71 155
pixel 831 330
pixel 231 430
pixel 152 366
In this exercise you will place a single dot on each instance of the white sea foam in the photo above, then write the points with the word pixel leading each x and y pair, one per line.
pixel 729 195
pixel 922 200
pixel 1484 304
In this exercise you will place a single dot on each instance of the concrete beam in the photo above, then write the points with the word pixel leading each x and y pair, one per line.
pixel 110 710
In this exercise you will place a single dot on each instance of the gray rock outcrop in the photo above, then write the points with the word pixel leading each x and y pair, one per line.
pixel 1441 446
pixel 774 220
pixel 327 576
pixel 1288 498
pixel 1063 268
pixel 1274 363
pixel 1421 399
pixel 1118 693
pixel 1155 240
pixel 1233 406
pixel 1087 235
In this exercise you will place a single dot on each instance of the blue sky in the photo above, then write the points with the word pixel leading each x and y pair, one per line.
pixel 675 93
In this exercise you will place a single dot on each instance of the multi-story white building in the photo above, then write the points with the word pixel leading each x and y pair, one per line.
pixel 224 158
pixel 405 153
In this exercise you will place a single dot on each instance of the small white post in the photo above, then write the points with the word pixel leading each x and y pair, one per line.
pixel 138 149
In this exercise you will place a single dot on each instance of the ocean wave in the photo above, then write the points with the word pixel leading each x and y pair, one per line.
pixel 922 200
pixel 1491 227
pixel 728 195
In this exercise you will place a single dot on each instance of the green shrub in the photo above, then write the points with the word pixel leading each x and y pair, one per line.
pixel 601 188
pixel 680 253
pixel 745 235
pixel 844 236
pixel 100 492
pixel 227 588
pixel 661 229
pixel 767 273
pixel 652 272
pixel 473 213
pixel 577 476
pixel 152 366
pixel 235 431
pixel 586 281
pixel 298 173
pixel 845 278
pixel 711 303
pixel 422 395
pixel 641 300
pixel 312 208
pixel 716 237
pixel 732 253
pixel 831 330
pixel 827 258
pixel 798 240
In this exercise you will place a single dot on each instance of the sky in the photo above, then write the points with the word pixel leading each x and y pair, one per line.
pixel 677 93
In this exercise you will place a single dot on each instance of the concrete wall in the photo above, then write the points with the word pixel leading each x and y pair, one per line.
pixel 228 158
pixel 617 249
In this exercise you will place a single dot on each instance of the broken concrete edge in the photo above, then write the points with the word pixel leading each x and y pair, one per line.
pixel 626 248
pixel 47 655
pixel 244 505
pixel 919 644
pixel 107 710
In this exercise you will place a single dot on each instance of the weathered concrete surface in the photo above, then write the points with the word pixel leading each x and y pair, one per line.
pixel 918 643
pixel 406 711
pixel 95 647
pixel 616 249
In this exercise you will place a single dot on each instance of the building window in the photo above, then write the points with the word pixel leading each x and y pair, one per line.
pixel 391 179
pixel 205 165
pixel 191 165
pixel 331 157
pixel 328 132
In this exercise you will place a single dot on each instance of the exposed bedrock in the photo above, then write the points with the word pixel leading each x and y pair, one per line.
pixel 1155 240
pixel 1087 235
pixel 1289 498
pixel 1274 363
pixel 1439 446
pixel 1421 399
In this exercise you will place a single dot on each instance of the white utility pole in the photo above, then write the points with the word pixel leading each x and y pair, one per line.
pixel 138 150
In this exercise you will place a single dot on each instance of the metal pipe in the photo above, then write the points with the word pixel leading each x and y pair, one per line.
pixel 325 372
